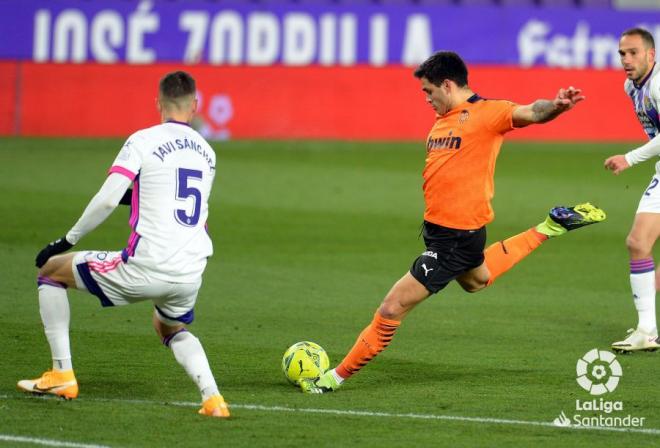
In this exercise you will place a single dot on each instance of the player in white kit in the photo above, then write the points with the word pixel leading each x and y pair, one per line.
pixel 637 51
pixel 171 168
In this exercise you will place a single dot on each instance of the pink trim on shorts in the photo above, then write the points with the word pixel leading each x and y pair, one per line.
pixel 103 267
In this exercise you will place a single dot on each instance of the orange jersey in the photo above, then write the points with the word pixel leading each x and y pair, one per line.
pixel 460 164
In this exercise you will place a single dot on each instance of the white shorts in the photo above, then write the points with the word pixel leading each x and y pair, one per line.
pixel 116 283
pixel 650 202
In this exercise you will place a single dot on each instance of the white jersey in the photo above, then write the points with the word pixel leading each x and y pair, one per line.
pixel 646 100
pixel 172 168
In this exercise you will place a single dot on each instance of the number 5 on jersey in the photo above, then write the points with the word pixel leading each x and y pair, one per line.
pixel 185 191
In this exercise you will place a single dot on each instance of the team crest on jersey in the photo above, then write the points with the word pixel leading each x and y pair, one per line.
pixel 647 103
pixel 463 117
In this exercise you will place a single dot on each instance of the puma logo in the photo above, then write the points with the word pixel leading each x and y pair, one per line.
pixel 426 270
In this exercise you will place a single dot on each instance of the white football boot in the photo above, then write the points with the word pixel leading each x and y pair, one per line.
pixel 637 340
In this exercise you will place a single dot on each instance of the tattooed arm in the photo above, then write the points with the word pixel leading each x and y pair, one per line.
pixel 542 111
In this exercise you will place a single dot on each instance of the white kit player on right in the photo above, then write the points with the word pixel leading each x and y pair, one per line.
pixel 171 169
pixel 637 52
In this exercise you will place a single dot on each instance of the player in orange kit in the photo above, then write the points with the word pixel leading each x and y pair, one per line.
pixel 458 186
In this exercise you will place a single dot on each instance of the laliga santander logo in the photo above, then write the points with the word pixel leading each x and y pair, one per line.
pixel 598 372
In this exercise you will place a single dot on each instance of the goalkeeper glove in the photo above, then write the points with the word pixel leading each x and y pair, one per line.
pixel 54 248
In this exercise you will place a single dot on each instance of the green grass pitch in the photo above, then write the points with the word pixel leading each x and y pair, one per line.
pixel 309 237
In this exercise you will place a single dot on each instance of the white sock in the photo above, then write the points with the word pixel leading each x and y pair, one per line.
pixel 643 289
pixel 336 376
pixel 55 315
pixel 189 352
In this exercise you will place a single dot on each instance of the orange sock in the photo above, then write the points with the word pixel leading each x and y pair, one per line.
pixel 503 255
pixel 373 340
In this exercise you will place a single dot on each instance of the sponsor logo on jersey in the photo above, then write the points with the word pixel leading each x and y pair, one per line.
pixel 446 142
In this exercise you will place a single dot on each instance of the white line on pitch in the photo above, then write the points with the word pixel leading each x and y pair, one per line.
pixel 46 442
pixel 455 418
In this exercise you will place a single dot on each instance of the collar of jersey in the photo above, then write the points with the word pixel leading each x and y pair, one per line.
pixel 177 122
pixel 645 79
pixel 474 98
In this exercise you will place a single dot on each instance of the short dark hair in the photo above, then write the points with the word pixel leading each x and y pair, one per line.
pixel 646 36
pixel 176 85
pixel 444 65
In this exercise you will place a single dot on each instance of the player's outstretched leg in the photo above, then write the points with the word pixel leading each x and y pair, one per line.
pixel 55 315
pixel 406 293
pixel 189 352
pixel 374 339
pixel 503 255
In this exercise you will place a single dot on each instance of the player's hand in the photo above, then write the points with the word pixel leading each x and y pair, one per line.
pixel 54 248
pixel 567 98
pixel 616 164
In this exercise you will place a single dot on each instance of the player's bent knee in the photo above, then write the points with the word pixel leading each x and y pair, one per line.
pixel 473 284
pixel 473 287
pixel 48 269
pixel 392 307
pixel 167 340
pixel 388 311
pixel 166 332
pixel 638 247
pixel 395 306
pixel 59 270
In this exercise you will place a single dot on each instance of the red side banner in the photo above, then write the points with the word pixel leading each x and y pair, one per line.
pixel 8 88
pixel 362 103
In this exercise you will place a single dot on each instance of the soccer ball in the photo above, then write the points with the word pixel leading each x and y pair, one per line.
pixel 304 360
